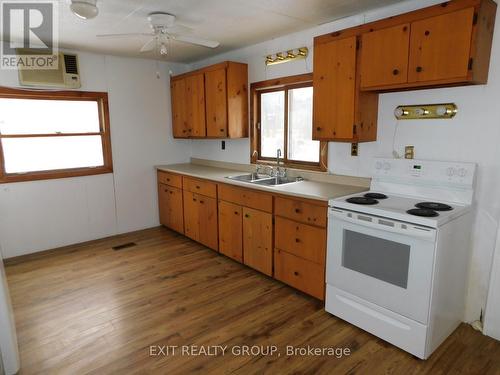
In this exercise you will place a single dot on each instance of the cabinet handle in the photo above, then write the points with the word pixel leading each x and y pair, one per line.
pixel 318 128
pixel 221 130
pixel 247 215
pixel 297 240
pixel 197 186
pixel 296 273
pixel 297 210
pixel 194 200
pixel 395 72
pixel 236 212
pixel 427 33
pixel 419 69
pixel 202 202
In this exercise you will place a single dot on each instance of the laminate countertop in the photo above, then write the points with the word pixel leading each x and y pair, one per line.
pixel 304 189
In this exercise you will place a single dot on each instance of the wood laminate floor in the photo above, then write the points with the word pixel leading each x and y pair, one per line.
pixel 90 309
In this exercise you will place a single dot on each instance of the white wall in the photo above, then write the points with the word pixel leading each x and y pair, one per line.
pixel 473 135
pixel 40 215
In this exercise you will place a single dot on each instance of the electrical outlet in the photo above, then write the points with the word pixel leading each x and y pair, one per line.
pixel 354 149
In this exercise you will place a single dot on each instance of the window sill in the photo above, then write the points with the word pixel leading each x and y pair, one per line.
pixel 303 166
pixel 50 175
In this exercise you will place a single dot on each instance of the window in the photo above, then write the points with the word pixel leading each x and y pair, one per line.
pixel 47 134
pixel 282 119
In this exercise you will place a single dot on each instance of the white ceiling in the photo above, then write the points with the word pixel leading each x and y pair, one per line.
pixel 234 23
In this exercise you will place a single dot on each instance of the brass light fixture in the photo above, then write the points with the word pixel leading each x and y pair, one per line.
pixel 426 111
pixel 290 55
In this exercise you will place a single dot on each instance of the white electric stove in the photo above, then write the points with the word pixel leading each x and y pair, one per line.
pixel 397 259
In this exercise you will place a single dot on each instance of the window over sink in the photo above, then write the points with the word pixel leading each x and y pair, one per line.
pixel 282 120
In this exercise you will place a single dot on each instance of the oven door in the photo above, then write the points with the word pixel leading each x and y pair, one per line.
pixel 383 261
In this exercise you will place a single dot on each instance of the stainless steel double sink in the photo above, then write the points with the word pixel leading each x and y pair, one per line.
pixel 264 179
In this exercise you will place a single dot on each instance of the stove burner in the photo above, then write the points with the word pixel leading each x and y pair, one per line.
pixel 375 195
pixel 434 206
pixel 362 200
pixel 425 212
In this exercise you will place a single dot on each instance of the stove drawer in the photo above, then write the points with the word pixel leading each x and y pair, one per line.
pixel 405 333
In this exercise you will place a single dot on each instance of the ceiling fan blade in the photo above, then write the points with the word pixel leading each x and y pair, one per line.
pixel 195 40
pixel 150 45
pixel 125 35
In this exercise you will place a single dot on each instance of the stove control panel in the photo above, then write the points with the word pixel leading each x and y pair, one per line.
pixel 424 171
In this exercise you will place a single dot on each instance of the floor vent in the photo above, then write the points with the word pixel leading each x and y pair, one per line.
pixel 124 246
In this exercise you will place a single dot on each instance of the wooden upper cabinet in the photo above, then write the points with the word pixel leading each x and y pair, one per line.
pixel 334 89
pixel 214 102
pixel 448 44
pixel 440 47
pixel 341 112
pixel 384 56
pixel 195 105
pixel 179 116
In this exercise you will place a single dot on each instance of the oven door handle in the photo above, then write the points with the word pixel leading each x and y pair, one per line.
pixel 412 229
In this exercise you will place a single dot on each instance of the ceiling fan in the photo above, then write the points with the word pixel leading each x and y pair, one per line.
pixel 164 28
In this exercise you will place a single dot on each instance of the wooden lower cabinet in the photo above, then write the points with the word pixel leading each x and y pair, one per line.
pixel 231 230
pixel 170 205
pixel 302 274
pixel 258 240
pixel 200 219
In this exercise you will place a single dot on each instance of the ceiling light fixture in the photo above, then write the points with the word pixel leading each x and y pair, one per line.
pixel 85 9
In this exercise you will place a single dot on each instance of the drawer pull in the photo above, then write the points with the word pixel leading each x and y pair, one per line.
pixel 247 215
pixel 296 273
pixel 168 179
pixel 297 240
pixel 297 210
pixel 236 212
pixel 194 200
pixel 202 202
pixel 197 186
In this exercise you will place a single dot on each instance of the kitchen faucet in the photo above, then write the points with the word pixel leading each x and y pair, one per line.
pixel 279 172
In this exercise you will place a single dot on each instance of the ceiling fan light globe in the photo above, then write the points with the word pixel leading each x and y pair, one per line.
pixel 84 9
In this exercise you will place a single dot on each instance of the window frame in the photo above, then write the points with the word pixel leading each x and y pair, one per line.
pixel 280 84
pixel 103 109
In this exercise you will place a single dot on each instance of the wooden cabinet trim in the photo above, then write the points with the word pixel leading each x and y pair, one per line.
pixel 302 211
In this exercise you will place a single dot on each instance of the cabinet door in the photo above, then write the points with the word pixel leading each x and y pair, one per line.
pixel 195 104
pixel 191 216
pixel 179 119
pixel 164 204
pixel 231 230
pixel 216 103
pixel 334 82
pixel 440 46
pixel 207 223
pixel 176 211
pixel 171 210
pixel 258 240
pixel 384 56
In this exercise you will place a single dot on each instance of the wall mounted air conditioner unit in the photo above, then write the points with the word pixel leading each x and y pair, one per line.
pixel 65 76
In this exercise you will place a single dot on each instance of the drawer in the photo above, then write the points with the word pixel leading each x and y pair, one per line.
pixel 302 240
pixel 302 274
pixel 300 210
pixel 171 179
pixel 246 197
pixel 202 187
